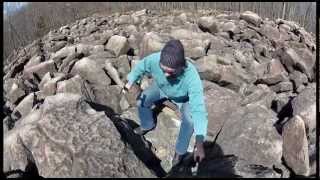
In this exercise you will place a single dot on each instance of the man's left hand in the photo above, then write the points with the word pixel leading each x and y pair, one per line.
pixel 199 152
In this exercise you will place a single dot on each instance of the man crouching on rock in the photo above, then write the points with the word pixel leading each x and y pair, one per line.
pixel 175 79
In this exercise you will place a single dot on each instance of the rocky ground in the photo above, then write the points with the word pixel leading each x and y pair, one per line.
pixel 65 115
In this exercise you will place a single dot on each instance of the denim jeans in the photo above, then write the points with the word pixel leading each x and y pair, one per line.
pixel 145 101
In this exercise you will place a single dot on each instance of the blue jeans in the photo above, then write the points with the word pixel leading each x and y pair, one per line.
pixel 153 94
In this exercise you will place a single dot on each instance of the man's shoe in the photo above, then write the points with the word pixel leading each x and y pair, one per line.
pixel 141 131
pixel 177 159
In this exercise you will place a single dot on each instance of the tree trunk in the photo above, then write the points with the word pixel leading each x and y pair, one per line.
pixel 283 10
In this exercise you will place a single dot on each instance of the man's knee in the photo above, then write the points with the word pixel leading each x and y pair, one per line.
pixel 142 101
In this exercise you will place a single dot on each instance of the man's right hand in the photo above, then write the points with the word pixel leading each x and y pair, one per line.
pixel 127 87
pixel 133 89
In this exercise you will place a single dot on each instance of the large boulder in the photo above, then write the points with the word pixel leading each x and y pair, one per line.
pixel 50 87
pixel 295 146
pixel 298 79
pixel 251 17
pixel 108 96
pixel 208 68
pixel 304 106
pixel 40 70
pixel 118 45
pixel 225 75
pixel 151 43
pixel 76 85
pixel 33 61
pixel 272 33
pixel 163 137
pixel 16 93
pixel 90 71
pixel 70 140
pixel 260 95
pixel 208 24
pixel 248 130
pixel 230 27
pixel 220 103
pixel 122 65
pixel 25 106
pixel 301 60
pixel 273 73
pixel 282 87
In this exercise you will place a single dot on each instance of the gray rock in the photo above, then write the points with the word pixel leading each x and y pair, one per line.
pixel 89 70
pixel 151 43
pixel 7 85
pixel 40 70
pixel 230 27
pixel 260 95
pixel 122 65
pixel 232 166
pixel 248 130
pixel 68 62
pixel 24 107
pixel 281 100
pixel 62 53
pixel 49 76
pixel 15 93
pixel 76 85
pixel 118 44
pixel 50 87
pixel 304 105
pixel 141 12
pixel 16 156
pixel 220 103
pixel 57 46
pixel 225 60
pixel 272 33
pixel 70 141
pixel 295 146
pixel 113 73
pixel 57 38
pixel 282 87
pixel 108 95
pixel 306 62
pixel 124 19
pixel 208 68
pixel 35 60
pixel 104 37
pixel 273 73
pixel 307 39
pixel 163 137
pixel 208 24
pixel 298 79
pixel 251 17
pixel 233 78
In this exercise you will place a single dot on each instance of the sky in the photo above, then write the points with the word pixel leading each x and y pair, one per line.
pixel 9 7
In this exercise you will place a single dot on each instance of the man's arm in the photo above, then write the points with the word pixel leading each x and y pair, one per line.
pixel 199 114
pixel 142 67
pixel 198 108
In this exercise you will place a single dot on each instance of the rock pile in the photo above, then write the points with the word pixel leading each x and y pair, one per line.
pixel 64 112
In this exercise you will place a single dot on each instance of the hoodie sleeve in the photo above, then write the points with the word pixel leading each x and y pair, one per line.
pixel 141 68
pixel 198 108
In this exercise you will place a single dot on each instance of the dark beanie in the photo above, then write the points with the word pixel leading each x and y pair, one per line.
pixel 172 55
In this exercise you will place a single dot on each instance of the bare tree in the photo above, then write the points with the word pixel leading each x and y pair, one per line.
pixel 38 18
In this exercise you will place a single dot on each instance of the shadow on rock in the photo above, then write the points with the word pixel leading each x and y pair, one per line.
pixel 31 171
pixel 215 164
pixel 142 148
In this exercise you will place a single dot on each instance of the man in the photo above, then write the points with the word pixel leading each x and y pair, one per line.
pixel 176 79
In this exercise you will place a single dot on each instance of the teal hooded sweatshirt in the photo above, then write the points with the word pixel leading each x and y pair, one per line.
pixel 188 84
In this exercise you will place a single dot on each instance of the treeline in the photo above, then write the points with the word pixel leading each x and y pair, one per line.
pixel 38 18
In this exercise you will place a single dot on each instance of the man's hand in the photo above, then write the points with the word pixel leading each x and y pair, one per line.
pixel 133 91
pixel 127 86
pixel 199 152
